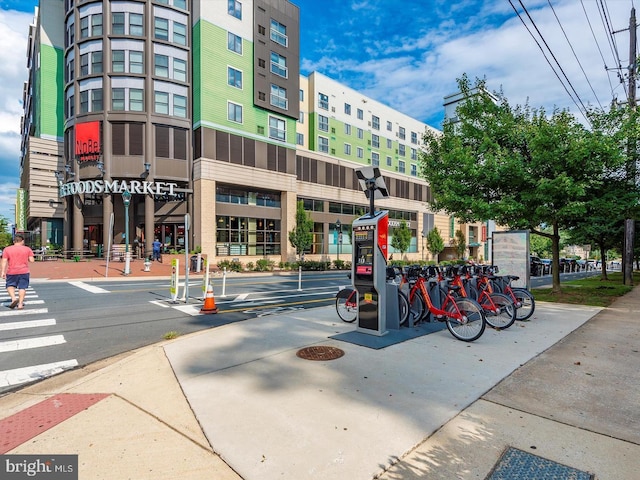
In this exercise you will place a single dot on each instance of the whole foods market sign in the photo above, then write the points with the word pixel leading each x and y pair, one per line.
pixel 118 186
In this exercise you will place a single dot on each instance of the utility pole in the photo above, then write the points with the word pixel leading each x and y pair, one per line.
pixel 629 223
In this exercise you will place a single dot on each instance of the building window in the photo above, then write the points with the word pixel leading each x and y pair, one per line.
pixel 347 149
pixel 96 100
pixel 277 129
pixel 389 161
pixel 278 33
pixel 360 133
pixel 235 9
pixel 136 62
pixel 161 28
pixel 84 27
pixel 347 129
pixel 279 65
pixel 179 70
pixel 401 150
pixel 136 25
pixel 179 33
pixel 180 106
pixel 136 100
pixel 389 126
pixel 161 101
pixel 234 77
pixel 234 112
pixel 180 4
pixel 401 166
pixel 299 139
pixel 234 43
pixel 161 68
pixel 117 61
pixel 360 114
pixel 301 117
pixel 359 152
pixel 401 133
pixel 347 109
pixel 375 141
pixel 414 154
pixel 84 101
pixel 237 236
pixel 389 143
pixel 375 159
pixel 414 170
pixel 117 99
pixel 96 62
pixel 96 25
pixel 323 123
pixel 414 138
pixel 84 65
pixel 323 101
pixel 323 144
pixel 301 96
pixel 117 23
pixel 278 97
pixel 70 106
pixel 375 122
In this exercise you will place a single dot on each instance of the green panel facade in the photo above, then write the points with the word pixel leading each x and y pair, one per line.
pixel 49 99
pixel 212 91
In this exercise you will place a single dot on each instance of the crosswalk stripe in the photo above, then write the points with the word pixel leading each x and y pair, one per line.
pixel 26 343
pixel 26 311
pixel 17 376
pixel 27 324
pixel 89 288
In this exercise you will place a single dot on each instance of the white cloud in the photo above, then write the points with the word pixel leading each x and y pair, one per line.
pixel 14 29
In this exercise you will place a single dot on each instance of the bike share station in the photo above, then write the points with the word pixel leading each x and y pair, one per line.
pixel 378 319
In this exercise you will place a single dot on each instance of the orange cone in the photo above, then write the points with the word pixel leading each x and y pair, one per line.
pixel 209 302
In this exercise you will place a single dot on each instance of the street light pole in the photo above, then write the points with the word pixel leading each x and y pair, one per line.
pixel 126 199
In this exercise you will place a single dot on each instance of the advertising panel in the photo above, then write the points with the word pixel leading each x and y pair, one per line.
pixel 88 142
pixel 510 253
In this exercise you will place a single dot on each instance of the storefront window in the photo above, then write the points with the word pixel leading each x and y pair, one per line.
pixel 237 236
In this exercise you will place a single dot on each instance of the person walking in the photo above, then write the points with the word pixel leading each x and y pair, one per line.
pixel 15 269
pixel 157 245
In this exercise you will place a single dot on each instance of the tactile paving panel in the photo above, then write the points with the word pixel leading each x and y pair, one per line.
pixel 522 465
pixel 32 421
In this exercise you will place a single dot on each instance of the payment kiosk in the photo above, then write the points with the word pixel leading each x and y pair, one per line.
pixel 370 271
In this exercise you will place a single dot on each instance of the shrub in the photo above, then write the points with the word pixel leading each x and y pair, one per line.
pixel 264 265
pixel 232 266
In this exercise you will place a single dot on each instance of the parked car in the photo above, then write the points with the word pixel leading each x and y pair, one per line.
pixel 546 266
pixel 535 266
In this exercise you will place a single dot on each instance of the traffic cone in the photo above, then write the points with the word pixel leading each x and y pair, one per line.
pixel 209 302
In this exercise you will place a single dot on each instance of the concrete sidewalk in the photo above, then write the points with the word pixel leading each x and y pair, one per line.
pixel 236 402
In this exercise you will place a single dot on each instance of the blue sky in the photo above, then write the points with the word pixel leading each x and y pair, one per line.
pixel 407 55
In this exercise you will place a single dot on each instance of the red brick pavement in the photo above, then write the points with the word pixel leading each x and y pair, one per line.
pixel 96 269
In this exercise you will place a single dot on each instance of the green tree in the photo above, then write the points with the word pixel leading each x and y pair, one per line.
pixel 435 243
pixel 301 237
pixel 540 246
pixel 460 243
pixel 401 238
pixel 5 235
pixel 515 165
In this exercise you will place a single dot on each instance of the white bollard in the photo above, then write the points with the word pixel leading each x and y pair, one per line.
pixel 299 279
pixel 224 281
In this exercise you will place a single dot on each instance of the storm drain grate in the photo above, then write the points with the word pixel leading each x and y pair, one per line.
pixel 320 353
pixel 516 463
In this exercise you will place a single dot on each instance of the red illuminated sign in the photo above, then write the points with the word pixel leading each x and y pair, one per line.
pixel 88 144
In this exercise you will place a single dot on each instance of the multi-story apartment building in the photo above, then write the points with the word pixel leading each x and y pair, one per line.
pixel 199 108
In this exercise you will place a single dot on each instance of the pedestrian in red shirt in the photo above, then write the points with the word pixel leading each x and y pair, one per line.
pixel 15 269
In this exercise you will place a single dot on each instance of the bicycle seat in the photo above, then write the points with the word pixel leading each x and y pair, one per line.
pixel 513 277
pixel 454 288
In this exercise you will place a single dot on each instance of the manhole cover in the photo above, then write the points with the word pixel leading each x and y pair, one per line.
pixel 320 353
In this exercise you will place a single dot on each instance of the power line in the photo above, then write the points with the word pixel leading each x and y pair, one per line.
pixel 574 53
pixel 577 97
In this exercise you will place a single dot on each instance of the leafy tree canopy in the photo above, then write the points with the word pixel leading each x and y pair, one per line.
pixel 435 242
pixel 401 238
pixel 301 237
pixel 515 165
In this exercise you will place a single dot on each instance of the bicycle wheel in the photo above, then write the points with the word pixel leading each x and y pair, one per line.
pixel 504 316
pixel 527 303
pixel 347 305
pixel 403 306
pixel 416 306
pixel 472 325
